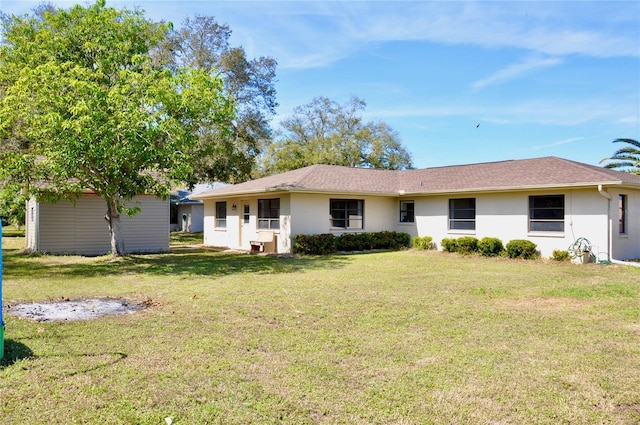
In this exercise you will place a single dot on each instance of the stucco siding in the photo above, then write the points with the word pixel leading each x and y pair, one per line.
pixel 80 228
pixel 506 216
pixel 194 218
pixel 237 234
pixel 626 245
pixel 502 215
pixel 310 213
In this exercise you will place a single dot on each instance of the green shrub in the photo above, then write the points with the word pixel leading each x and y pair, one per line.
pixel 467 245
pixel 449 245
pixel 424 242
pixel 490 247
pixel 390 240
pixel 402 239
pixel 327 243
pixel 521 248
pixel 355 241
pixel 320 244
pixel 560 255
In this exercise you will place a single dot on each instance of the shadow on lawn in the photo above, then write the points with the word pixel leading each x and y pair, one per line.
pixel 14 351
pixel 201 263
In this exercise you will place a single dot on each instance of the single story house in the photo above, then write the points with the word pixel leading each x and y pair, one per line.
pixel 187 215
pixel 550 201
pixel 80 228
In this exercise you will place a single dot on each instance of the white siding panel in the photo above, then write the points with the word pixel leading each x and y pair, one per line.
pixel 147 231
pixel 80 228
pixel 31 225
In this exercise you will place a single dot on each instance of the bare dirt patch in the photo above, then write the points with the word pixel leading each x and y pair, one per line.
pixel 72 310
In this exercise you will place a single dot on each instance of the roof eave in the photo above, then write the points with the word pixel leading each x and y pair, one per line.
pixel 292 189
pixel 537 187
pixel 405 193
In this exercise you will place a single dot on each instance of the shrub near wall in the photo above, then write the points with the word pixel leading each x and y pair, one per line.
pixel 490 247
pixel 449 245
pixel 521 248
pixel 467 245
pixel 423 243
pixel 320 244
pixel 327 243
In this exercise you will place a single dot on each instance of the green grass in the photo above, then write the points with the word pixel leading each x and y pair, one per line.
pixel 180 239
pixel 412 337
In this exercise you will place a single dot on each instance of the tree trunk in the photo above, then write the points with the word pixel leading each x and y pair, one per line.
pixel 115 231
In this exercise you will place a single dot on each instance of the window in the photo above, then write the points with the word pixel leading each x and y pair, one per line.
pixel 269 213
pixel 407 212
pixel 346 213
pixel 221 215
pixel 245 214
pixel 462 214
pixel 622 214
pixel 546 213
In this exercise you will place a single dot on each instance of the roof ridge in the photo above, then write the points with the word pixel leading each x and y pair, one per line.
pixel 309 170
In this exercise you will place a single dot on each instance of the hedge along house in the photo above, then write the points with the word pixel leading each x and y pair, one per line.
pixel 549 201
pixel 80 228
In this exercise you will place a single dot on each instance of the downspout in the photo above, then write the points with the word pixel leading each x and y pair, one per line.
pixel 606 194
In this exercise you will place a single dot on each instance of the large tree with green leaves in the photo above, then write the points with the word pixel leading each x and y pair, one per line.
pixel 325 132
pixel 203 43
pixel 84 105
pixel 626 158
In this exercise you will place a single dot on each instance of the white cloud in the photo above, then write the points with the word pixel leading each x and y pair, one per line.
pixel 559 142
pixel 306 34
pixel 516 71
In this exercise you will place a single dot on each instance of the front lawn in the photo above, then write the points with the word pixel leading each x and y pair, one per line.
pixel 401 337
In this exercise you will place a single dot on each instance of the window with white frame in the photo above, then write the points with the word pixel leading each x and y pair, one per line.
pixel 221 215
pixel 407 212
pixel 346 213
pixel 546 213
pixel 269 213
pixel 622 214
pixel 462 214
pixel 246 215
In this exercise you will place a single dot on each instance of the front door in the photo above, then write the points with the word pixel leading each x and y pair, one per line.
pixel 246 231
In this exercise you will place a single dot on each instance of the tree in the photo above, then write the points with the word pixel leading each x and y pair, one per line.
pixel 12 203
pixel 324 132
pixel 625 159
pixel 203 43
pixel 83 105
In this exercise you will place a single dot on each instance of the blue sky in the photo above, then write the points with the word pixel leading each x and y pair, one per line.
pixel 540 78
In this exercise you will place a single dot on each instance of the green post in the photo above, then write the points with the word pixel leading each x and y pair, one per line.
pixel 1 320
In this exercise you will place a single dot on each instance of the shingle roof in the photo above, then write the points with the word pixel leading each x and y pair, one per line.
pixel 490 176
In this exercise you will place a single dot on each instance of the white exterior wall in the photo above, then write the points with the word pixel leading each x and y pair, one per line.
pixel 65 228
pixel 501 215
pixel 506 216
pixel 626 246
pixel 237 235
pixel 311 213
pixel 31 233
pixel 299 213
pixel 195 218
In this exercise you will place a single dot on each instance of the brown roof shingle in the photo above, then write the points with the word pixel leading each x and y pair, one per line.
pixel 490 176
